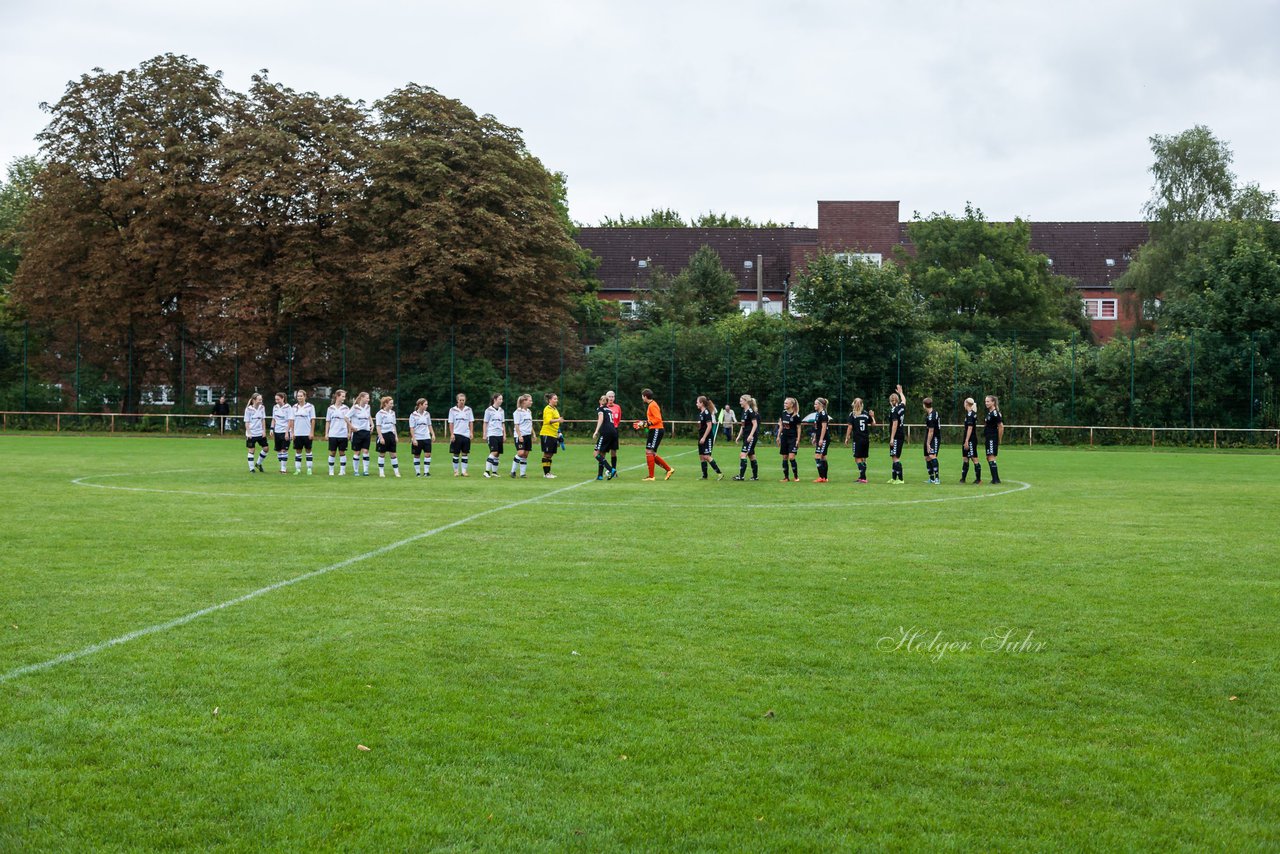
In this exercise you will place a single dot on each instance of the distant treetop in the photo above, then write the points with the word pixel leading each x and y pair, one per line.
pixel 674 219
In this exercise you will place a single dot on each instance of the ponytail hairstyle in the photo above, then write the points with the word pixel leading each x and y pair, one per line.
pixel 523 399
pixel 822 401
pixel 995 400
pixel 604 399
pixel 255 397
pixel 969 404
pixel 857 406
pixel 299 394
pixel 754 406
pixel 281 397
pixel 894 399
pixel 493 399
pixel 422 401
pixel 340 394
pixel 362 395
pixel 385 400
pixel 790 405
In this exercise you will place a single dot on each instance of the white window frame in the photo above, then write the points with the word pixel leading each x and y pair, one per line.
pixel 1102 308
pixel 627 309
pixel 876 258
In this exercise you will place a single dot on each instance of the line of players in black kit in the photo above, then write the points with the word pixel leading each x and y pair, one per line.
pixel 857 434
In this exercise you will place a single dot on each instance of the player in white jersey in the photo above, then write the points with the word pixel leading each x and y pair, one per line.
pixel 361 425
pixel 337 429
pixel 522 433
pixel 304 429
pixel 385 421
pixel 495 433
pixel 281 429
pixel 421 433
pixel 255 430
pixel 461 428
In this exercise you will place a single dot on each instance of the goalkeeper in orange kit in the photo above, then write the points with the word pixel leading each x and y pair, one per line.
pixel 653 420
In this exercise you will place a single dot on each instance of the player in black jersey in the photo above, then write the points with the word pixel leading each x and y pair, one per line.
pixel 932 440
pixel 789 438
pixel 859 432
pixel 897 433
pixel 969 443
pixel 606 436
pixel 747 435
pixel 707 435
pixel 821 438
pixel 992 433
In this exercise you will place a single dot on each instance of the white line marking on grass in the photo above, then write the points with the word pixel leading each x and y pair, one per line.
pixel 68 657
pixel 1023 485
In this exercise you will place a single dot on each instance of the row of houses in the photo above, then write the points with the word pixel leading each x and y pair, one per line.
pixel 1093 254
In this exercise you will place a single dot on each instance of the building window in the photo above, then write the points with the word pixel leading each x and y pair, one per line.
pixel 205 395
pixel 1100 309
pixel 874 258
pixel 587 348
pixel 627 309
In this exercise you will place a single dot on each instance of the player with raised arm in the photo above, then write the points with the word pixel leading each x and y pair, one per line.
pixel 255 430
pixel 495 434
pixel 461 429
pixel 707 436
pixel 522 433
pixel 932 440
pixel 361 434
pixel 747 435
pixel 789 439
pixel 897 433
pixel 606 438
pixel 992 433
pixel 281 427
pixel 653 440
pixel 385 421
pixel 969 443
pixel 821 438
pixel 304 428
pixel 859 433
pixel 549 435
pixel 337 429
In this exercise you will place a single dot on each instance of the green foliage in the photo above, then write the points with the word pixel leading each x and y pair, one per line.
pixel 15 197
pixel 870 303
pixel 669 218
pixel 981 279
pixel 700 294
pixel 1193 177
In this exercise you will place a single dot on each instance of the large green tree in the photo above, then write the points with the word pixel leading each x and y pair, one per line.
pixel 982 278
pixel 700 294
pixel 670 218
pixel 15 198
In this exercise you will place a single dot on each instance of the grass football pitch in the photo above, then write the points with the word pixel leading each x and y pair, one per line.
pixel 1084 658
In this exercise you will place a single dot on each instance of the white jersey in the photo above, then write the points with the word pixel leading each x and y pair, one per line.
pixel 255 421
pixel 522 422
pixel 460 420
pixel 303 416
pixel 281 416
pixel 336 422
pixel 493 418
pixel 360 417
pixel 386 419
pixel 420 426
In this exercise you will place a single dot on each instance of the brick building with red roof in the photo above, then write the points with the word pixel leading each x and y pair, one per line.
pixel 1093 254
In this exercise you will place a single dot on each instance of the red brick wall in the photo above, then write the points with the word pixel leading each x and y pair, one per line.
pixel 859 227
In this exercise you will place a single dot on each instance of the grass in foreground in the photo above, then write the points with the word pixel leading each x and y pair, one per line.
pixel 617 665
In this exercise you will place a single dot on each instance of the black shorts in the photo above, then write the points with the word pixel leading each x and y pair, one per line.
pixel 421 446
pixel 788 443
pixel 993 446
pixel 861 449
pixel 550 444
pixel 282 442
pixel 338 443
pixel 705 448
pixel 820 449
pixel 302 443
pixel 261 441
pixel 606 442
pixel 895 446
pixel 971 449
pixel 360 440
pixel 749 447
pixel 460 445
pixel 388 443
pixel 931 446
pixel 654 439
pixel 495 444
pixel 524 443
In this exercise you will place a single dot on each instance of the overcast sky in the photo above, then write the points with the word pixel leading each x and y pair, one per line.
pixel 755 108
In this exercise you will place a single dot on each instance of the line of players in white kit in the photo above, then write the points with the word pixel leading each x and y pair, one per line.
pixel 360 430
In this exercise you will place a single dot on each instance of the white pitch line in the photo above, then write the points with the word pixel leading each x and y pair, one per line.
pixel 84 481
pixel 68 657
